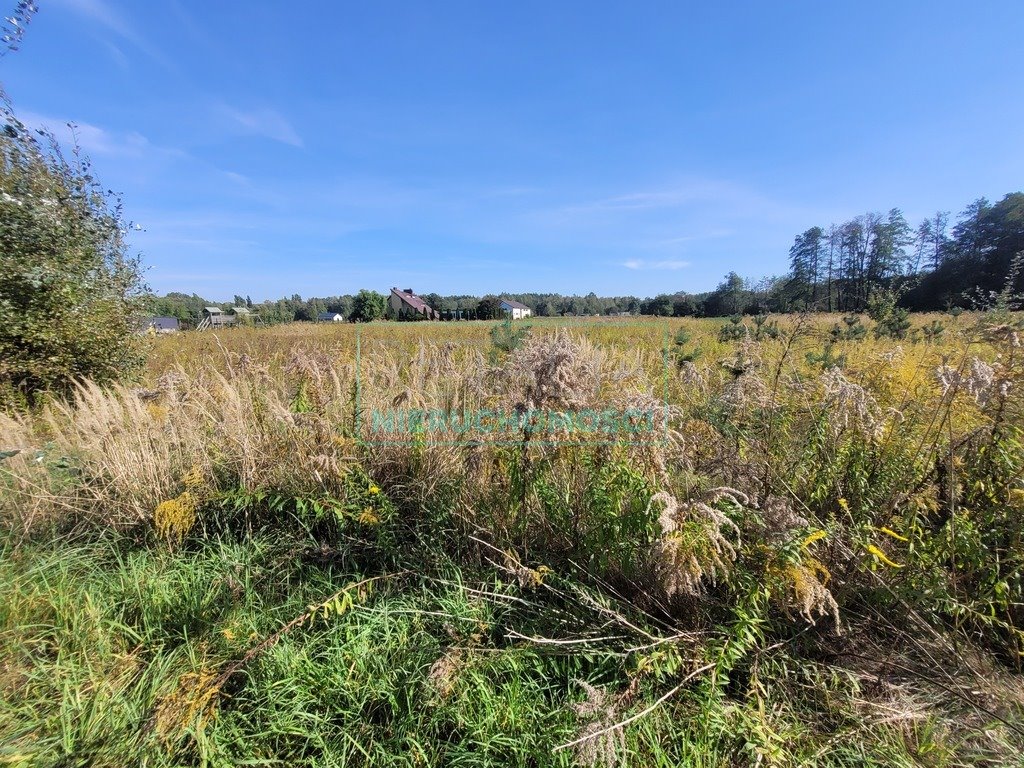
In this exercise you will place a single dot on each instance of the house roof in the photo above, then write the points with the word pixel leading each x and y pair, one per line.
pixel 240 310
pixel 414 301
pixel 513 304
pixel 213 310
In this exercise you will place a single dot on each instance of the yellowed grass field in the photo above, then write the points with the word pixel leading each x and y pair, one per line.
pixel 802 511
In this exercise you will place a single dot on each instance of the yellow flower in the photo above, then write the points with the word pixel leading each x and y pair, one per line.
pixel 368 517
pixel 891 532
pixel 174 518
pixel 539 574
pixel 193 479
pixel 158 412
pixel 881 556
pixel 374 489
pixel 813 538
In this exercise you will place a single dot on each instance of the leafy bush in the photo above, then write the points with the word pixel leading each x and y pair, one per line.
pixel 891 320
pixel 69 293
pixel 368 306
pixel 506 339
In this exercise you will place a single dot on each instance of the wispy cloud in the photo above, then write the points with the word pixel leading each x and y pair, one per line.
pixel 682 196
pixel 99 12
pixel 668 264
pixel 117 55
pixel 268 123
pixel 238 178
pixel 93 139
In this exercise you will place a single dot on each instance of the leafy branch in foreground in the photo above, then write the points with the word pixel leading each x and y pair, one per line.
pixel 69 293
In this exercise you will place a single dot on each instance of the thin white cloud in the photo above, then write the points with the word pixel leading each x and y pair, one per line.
pixel 117 55
pixel 99 12
pixel 267 123
pixel 674 196
pixel 667 264
pixel 91 138
pixel 682 239
pixel 103 14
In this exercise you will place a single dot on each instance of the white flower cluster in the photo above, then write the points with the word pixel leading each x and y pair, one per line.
pixel 981 381
pixel 850 406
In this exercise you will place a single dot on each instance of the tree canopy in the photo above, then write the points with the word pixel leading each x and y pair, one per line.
pixel 69 292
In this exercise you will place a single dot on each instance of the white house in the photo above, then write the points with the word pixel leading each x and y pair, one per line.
pixel 330 317
pixel 514 309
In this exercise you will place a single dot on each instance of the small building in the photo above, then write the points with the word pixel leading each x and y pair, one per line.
pixel 330 317
pixel 219 317
pixel 162 324
pixel 215 317
pixel 406 303
pixel 514 309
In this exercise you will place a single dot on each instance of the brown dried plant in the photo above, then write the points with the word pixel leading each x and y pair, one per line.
pixel 600 743
pixel 693 547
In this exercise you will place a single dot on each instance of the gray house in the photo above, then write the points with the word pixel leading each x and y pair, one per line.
pixel 162 324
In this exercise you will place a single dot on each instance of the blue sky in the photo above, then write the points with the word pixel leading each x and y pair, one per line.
pixel 271 148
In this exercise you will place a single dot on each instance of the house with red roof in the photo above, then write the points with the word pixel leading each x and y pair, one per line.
pixel 406 303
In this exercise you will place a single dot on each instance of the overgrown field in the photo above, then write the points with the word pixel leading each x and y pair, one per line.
pixel 798 542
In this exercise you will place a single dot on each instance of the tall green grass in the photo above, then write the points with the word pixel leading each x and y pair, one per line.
pixel 819 564
pixel 103 641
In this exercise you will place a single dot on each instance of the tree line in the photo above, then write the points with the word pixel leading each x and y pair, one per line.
pixel 940 264
pixel 371 305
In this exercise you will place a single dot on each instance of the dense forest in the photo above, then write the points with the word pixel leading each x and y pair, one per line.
pixel 936 266
pixel 941 264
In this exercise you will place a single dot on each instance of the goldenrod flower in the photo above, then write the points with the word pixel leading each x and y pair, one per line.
pixel 368 517
pixel 882 557
pixel 813 538
pixel 891 532
pixel 175 517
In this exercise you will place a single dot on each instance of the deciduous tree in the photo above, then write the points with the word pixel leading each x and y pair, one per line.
pixel 70 295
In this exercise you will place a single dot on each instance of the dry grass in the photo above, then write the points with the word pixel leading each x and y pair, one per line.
pixel 792 491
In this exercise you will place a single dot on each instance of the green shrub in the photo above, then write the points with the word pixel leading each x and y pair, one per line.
pixel 506 339
pixel 368 306
pixel 69 293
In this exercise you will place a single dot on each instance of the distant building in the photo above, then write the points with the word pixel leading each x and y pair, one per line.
pixel 219 318
pixel 405 303
pixel 215 317
pixel 162 324
pixel 330 317
pixel 514 309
